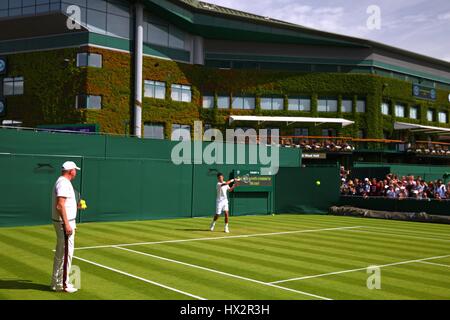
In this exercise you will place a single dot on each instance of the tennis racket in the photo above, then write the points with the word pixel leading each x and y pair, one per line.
pixel 244 179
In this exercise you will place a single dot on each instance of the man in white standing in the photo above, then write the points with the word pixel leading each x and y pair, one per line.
pixel 64 213
pixel 222 188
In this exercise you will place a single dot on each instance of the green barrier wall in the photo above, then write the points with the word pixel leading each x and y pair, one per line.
pixel 25 187
pixel 405 205
pixel 427 172
pixel 121 178
pixel 30 142
pixel 296 190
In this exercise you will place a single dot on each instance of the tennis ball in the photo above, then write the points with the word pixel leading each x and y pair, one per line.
pixel 318 182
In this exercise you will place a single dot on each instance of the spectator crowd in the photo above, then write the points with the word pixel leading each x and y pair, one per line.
pixel 394 187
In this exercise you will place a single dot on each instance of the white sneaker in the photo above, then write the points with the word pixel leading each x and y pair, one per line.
pixel 227 230
pixel 211 228
pixel 70 289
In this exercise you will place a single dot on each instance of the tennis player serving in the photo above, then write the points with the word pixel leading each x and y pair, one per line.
pixel 222 188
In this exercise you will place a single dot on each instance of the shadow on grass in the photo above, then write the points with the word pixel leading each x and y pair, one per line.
pixel 23 285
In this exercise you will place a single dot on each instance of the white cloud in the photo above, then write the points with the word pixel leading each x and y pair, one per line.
pixel 444 16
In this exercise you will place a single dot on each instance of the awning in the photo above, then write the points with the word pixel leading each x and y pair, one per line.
pixel 291 120
pixel 420 128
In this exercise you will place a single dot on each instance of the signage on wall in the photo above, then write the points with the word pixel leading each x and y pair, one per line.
pixel 314 155
pixel 423 92
pixel 2 65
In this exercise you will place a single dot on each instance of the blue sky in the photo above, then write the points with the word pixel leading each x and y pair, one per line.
pixel 422 26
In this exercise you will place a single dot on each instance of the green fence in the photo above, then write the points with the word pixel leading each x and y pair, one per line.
pixel 306 190
pixel 436 207
pixel 121 178
pixel 427 172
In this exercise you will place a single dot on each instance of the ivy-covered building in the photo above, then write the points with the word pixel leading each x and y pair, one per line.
pixel 148 67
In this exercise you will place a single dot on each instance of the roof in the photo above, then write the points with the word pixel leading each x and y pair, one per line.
pixel 420 128
pixel 213 9
pixel 290 120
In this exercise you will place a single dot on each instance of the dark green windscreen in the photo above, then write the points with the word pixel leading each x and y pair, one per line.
pixel 298 191
pixel 121 178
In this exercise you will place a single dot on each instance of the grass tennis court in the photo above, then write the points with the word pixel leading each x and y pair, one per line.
pixel 264 257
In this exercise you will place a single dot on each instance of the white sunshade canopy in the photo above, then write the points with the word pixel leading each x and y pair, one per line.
pixel 290 120
pixel 420 128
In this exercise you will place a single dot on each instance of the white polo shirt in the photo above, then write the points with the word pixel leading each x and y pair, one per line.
pixel 222 189
pixel 63 188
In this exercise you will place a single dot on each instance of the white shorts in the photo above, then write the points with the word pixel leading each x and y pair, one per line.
pixel 221 206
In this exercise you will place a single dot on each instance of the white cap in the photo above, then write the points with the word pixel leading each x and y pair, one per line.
pixel 69 165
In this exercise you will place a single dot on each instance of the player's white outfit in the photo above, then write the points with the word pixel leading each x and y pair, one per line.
pixel 64 244
pixel 222 198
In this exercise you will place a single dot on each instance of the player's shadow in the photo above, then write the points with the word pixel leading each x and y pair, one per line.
pixel 19 284
pixel 194 229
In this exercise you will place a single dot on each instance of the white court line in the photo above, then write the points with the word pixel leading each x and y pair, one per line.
pixel 223 273
pixel 360 269
pixel 215 238
pixel 436 264
pixel 139 278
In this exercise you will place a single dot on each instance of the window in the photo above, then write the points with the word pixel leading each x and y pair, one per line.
pixel 27 7
pixel 13 86
pixel 85 59
pixel 442 117
pixel 399 110
pixel 272 103
pixel 154 89
pixel 111 17
pixel 299 104
pixel 385 108
pixel 223 102
pixel 118 26
pixel 327 105
pixel 153 131
pixel 158 35
pixel 89 102
pixel 430 115
pixel 360 106
pixel 243 103
pixel 347 106
pixel 181 131
pixel 301 132
pixel 96 20
pixel 361 134
pixel 328 132
pixel 181 93
pixel 176 37
pixel 159 32
pixel 413 113
pixel 208 102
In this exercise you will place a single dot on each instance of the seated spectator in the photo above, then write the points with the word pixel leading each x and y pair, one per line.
pixel 391 193
pixel 441 190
